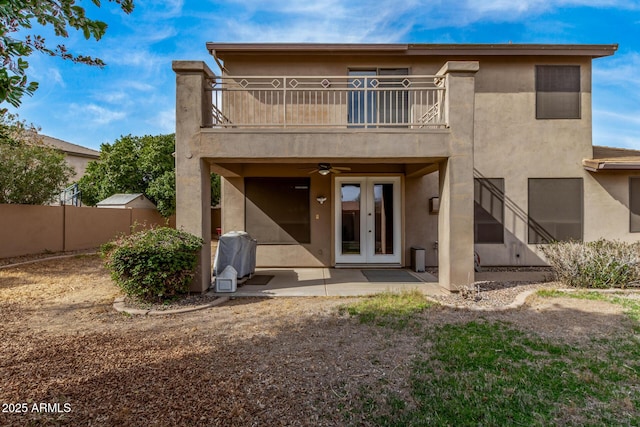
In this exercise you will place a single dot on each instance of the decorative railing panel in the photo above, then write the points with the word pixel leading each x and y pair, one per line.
pixel 334 102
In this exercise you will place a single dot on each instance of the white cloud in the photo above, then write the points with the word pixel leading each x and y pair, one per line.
pixel 611 115
pixel 96 114
pixel 112 97
pixel 139 86
pixel 164 121
pixel 621 69
pixel 136 57
pixel 321 21
pixel 384 21
pixel 160 9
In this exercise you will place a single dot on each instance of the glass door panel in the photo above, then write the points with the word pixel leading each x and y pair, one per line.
pixel 350 219
pixel 383 220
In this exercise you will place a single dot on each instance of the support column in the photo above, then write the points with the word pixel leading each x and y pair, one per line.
pixel 455 220
pixel 193 182
pixel 233 214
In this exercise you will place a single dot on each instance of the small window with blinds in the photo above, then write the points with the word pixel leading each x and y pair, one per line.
pixel 555 209
pixel 488 212
pixel 277 210
pixel 557 91
pixel 634 204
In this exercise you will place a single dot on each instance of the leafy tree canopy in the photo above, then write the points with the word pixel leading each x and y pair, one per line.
pixel 17 41
pixel 30 172
pixel 136 165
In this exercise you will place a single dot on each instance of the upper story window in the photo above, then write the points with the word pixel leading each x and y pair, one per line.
pixel 376 97
pixel 557 91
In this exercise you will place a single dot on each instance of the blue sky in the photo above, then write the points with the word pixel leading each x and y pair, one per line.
pixel 135 92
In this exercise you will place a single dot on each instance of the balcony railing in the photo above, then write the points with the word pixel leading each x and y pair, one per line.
pixel 411 101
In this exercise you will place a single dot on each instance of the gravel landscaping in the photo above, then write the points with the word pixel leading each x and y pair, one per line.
pixel 249 361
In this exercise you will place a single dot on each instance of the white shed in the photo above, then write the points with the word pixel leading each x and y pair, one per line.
pixel 123 201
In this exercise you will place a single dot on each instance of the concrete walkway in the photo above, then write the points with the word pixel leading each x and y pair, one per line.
pixel 291 282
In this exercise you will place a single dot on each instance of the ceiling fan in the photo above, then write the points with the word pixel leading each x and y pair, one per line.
pixel 326 169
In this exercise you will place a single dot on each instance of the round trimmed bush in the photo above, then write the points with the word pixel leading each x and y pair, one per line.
pixel 153 265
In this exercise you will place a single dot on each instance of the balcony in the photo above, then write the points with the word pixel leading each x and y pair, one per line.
pixel 358 102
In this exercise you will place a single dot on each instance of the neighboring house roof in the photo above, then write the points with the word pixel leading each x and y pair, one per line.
pixel 592 50
pixel 69 148
pixel 612 158
pixel 122 200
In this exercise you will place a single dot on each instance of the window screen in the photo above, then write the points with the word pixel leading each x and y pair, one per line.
pixel 277 209
pixel 634 204
pixel 558 92
pixel 488 213
pixel 555 209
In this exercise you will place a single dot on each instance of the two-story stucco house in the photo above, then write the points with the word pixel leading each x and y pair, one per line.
pixel 350 155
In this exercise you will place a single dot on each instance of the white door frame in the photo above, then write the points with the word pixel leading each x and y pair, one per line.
pixel 367 220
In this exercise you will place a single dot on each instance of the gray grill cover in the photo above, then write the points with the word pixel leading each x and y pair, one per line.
pixel 238 249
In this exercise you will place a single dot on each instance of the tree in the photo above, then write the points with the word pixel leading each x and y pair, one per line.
pixel 136 165
pixel 30 172
pixel 16 19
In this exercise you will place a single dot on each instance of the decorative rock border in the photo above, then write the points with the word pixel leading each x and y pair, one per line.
pixel 521 298
pixel 121 307
pixel 518 302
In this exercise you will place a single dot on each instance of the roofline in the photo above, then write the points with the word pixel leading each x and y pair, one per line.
pixel 94 155
pixel 75 153
pixel 597 165
pixel 510 49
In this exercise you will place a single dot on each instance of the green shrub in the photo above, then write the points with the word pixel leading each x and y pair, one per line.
pixel 153 265
pixel 599 264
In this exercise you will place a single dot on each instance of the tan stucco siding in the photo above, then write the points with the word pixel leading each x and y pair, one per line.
pixel 607 206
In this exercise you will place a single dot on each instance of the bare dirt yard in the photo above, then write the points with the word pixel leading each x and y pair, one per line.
pixel 250 361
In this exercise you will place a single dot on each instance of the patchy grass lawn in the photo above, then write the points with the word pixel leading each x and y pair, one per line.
pixel 488 372
pixel 396 360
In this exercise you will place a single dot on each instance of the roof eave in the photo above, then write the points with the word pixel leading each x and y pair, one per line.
pixel 597 165
pixel 591 50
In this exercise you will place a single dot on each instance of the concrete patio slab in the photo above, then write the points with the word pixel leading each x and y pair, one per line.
pixel 292 282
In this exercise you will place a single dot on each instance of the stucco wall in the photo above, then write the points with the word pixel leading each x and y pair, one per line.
pixel 606 206
pixel 421 227
pixel 79 164
pixel 28 229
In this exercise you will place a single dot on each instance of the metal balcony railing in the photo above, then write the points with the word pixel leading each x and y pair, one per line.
pixel 411 101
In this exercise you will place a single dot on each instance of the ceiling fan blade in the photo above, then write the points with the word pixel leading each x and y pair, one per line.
pixel 335 170
pixel 341 168
pixel 312 171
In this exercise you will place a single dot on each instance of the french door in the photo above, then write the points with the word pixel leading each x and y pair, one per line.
pixel 367 220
